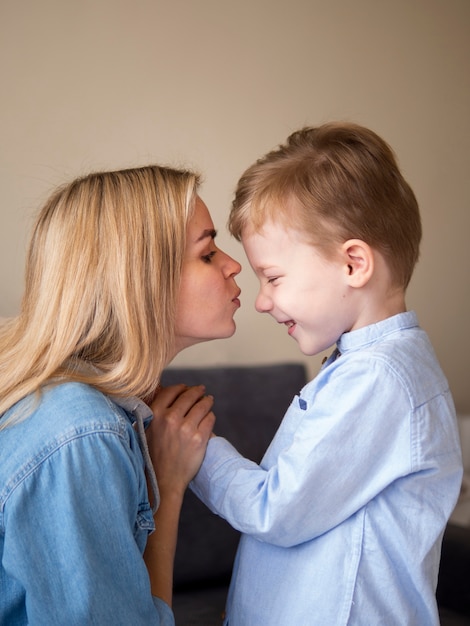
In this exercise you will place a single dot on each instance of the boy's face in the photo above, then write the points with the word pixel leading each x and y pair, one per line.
pixel 299 287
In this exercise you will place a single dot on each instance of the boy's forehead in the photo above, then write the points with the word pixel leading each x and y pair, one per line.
pixel 275 242
pixel 253 231
pixel 262 226
pixel 270 236
pixel 261 248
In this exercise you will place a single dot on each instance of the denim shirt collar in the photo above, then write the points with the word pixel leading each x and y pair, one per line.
pixel 141 415
pixel 136 408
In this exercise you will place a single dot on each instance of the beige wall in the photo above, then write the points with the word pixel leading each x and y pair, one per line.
pixel 214 84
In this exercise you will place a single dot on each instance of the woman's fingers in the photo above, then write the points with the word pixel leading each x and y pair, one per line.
pixel 165 396
pixel 179 402
pixel 178 435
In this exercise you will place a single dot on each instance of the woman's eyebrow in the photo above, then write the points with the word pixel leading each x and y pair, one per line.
pixel 208 233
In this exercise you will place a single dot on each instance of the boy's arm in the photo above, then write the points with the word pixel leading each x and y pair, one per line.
pixel 327 461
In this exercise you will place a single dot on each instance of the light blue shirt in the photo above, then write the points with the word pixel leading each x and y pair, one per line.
pixel 343 519
pixel 75 515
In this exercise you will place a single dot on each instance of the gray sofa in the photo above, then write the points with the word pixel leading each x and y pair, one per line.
pixel 250 402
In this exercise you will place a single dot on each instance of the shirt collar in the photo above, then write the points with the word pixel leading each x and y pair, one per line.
pixel 135 407
pixel 370 334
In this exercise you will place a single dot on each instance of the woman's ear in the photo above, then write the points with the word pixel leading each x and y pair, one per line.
pixel 358 259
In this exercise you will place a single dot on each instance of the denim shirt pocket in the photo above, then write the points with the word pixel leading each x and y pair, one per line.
pixel 144 525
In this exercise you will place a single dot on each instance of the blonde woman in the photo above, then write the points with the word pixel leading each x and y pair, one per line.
pixel 119 267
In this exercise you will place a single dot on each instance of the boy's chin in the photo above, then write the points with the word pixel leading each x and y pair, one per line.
pixel 309 350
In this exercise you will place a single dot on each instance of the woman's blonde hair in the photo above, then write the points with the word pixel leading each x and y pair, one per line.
pixel 332 183
pixel 102 279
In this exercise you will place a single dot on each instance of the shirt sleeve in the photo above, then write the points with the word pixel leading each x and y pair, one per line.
pixel 77 525
pixel 337 448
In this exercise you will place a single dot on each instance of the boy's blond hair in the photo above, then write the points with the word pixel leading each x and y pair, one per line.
pixel 102 280
pixel 332 183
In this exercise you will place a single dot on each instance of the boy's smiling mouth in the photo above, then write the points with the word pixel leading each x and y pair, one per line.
pixel 290 325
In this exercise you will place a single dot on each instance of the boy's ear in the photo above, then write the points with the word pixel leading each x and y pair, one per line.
pixel 358 259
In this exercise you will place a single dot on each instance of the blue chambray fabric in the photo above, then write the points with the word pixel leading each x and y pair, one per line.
pixel 343 519
pixel 75 515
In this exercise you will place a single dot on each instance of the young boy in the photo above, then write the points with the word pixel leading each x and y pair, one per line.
pixel 343 519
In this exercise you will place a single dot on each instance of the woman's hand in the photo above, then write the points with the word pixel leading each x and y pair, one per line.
pixel 178 435
pixel 177 439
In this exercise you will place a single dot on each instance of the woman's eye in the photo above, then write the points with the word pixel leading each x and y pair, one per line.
pixel 207 258
pixel 270 281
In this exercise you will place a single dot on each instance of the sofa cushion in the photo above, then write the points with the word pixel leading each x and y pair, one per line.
pixel 249 404
pixel 453 589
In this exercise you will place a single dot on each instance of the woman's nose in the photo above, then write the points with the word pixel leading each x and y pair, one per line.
pixel 232 267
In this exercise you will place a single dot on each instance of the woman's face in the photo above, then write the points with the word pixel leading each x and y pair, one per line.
pixel 208 295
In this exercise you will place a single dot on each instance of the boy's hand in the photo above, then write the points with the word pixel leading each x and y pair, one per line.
pixel 178 435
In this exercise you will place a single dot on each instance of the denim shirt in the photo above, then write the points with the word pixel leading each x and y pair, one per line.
pixel 343 519
pixel 75 515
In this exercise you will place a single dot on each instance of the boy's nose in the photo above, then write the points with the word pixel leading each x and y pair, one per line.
pixel 263 304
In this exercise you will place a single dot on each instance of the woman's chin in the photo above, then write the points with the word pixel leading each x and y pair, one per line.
pixel 223 333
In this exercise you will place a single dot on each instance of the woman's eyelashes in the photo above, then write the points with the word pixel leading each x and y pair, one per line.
pixel 207 258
